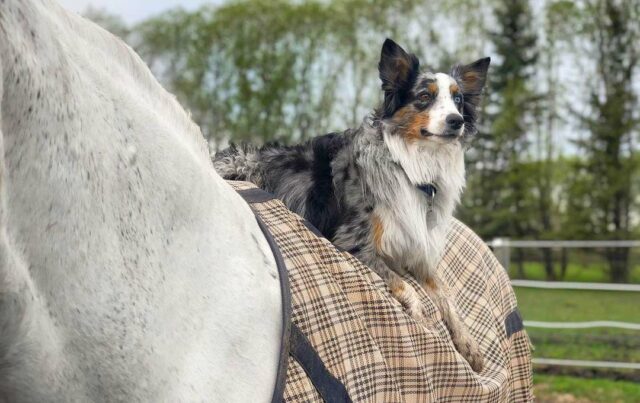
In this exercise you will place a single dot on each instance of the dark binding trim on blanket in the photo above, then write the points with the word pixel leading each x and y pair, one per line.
pixel 285 291
pixel 255 195
pixel 312 228
pixel 317 232
pixel 327 385
pixel 513 322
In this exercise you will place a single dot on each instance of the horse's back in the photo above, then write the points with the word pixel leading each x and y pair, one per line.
pixel 130 270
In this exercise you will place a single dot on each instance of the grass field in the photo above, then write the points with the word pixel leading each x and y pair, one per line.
pixel 578 305
pixel 568 389
pixel 604 344
pixel 592 273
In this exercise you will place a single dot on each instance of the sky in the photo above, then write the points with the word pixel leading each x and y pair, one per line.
pixel 134 10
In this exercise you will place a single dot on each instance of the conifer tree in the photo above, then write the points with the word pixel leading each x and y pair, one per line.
pixel 498 201
pixel 602 195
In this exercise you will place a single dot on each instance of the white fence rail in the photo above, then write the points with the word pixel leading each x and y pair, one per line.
pixel 568 285
pixel 506 242
pixel 587 363
pixel 635 366
pixel 502 246
pixel 582 325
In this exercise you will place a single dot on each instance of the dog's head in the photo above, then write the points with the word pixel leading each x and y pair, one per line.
pixel 425 106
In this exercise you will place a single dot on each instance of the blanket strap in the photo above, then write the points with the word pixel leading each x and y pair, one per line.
pixel 328 386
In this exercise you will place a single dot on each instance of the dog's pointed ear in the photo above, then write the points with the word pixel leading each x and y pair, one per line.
pixel 398 71
pixel 471 79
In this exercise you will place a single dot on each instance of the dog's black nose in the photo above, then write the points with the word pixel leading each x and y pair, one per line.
pixel 454 121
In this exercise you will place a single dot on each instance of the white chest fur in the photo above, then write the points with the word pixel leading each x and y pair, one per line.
pixel 414 234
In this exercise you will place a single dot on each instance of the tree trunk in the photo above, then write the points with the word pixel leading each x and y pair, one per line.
pixel 520 262
pixel 521 273
pixel 564 262
pixel 618 265
pixel 547 257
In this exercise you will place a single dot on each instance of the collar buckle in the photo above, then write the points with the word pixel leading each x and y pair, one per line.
pixel 430 191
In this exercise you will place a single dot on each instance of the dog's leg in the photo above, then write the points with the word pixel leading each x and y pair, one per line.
pixel 460 335
pixel 400 290
pixel 407 296
pixel 410 300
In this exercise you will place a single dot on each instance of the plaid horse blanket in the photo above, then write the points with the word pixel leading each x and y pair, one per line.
pixel 346 338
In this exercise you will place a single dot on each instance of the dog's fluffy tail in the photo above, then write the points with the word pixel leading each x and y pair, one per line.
pixel 240 163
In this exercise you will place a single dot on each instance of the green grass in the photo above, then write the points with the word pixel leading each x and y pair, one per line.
pixel 597 345
pixel 602 344
pixel 573 389
pixel 578 305
pixel 590 273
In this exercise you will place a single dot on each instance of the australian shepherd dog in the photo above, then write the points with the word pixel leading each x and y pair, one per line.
pixel 385 191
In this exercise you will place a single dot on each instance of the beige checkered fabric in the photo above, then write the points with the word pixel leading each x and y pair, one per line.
pixel 378 352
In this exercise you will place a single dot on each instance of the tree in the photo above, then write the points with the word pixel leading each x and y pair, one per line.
pixel 546 157
pixel 244 69
pixel 602 193
pixel 498 201
pixel 111 22
pixel 260 70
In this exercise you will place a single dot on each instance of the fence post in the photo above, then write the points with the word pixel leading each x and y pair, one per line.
pixel 502 250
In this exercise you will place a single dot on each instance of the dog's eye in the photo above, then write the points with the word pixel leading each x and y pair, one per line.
pixel 457 98
pixel 424 97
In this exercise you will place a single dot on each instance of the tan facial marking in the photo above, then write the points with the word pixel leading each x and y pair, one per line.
pixel 420 121
pixel 402 113
pixel 411 121
pixel 453 88
pixel 432 87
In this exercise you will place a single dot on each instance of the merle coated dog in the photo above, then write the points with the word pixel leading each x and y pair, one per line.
pixel 385 191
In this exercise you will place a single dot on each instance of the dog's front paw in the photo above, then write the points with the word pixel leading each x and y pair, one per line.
pixel 411 303
pixel 416 311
